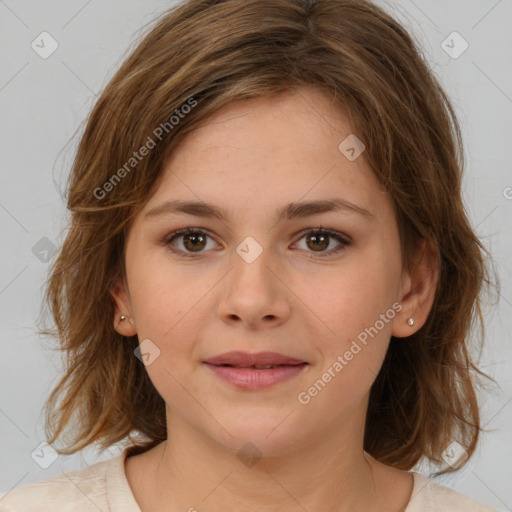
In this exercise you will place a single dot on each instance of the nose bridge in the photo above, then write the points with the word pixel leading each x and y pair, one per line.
pixel 253 291
pixel 251 265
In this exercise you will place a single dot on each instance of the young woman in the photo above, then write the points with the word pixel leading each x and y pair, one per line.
pixel 269 279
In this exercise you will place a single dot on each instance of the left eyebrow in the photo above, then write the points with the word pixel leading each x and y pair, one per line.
pixel 289 212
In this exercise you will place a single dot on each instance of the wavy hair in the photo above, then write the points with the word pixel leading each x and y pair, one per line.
pixel 216 52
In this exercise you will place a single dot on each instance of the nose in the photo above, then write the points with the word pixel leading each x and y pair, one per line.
pixel 254 294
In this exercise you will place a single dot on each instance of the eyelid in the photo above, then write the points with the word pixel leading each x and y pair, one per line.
pixel 343 239
pixel 177 233
pixel 327 231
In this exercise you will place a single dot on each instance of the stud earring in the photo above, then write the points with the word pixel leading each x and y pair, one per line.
pixel 411 321
pixel 123 318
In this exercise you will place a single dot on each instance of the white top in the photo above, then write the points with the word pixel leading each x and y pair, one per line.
pixel 103 487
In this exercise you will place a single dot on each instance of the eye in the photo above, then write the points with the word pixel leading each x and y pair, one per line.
pixel 318 239
pixel 194 241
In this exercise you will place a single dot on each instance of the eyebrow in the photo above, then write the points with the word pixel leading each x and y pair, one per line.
pixel 291 211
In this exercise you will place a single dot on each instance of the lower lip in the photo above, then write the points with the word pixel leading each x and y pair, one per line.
pixel 252 379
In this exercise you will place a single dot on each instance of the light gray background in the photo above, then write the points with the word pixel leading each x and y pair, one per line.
pixel 44 101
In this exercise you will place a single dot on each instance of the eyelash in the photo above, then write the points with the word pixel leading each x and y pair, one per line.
pixel 343 239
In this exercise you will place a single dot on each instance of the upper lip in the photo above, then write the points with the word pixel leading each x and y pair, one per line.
pixel 238 358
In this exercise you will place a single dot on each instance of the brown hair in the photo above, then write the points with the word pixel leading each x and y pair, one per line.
pixel 215 52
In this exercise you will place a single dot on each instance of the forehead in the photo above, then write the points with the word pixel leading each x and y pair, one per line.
pixel 259 154
pixel 291 123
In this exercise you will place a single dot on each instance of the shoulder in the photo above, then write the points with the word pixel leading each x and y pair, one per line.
pixel 83 489
pixel 428 496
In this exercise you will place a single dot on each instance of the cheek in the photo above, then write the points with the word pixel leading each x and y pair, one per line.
pixel 354 313
pixel 165 296
pixel 171 309
pixel 352 296
pixel 349 357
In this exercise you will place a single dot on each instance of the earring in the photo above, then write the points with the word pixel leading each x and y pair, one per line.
pixel 410 321
pixel 122 318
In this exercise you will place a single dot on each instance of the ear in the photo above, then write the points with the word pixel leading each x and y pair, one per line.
pixel 121 296
pixel 418 291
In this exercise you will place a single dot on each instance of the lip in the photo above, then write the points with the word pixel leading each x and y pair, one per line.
pixel 242 376
pixel 239 358
pixel 253 379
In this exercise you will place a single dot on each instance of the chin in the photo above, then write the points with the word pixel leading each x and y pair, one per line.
pixel 270 437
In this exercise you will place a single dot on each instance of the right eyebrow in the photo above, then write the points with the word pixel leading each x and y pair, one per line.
pixel 289 212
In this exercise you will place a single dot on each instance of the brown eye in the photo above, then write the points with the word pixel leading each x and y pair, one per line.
pixel 194 242
pixel 187 242
pixel 318 241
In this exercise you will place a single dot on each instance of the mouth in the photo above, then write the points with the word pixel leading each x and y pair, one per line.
pixel 255 371
pixel 258 366
pixel 257 360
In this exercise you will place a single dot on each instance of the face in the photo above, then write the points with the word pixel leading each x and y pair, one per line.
pixel 264 273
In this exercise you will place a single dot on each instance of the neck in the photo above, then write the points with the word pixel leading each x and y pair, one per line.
pixel 192 471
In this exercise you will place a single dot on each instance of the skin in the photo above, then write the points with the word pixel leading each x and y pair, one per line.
pixel 296 298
